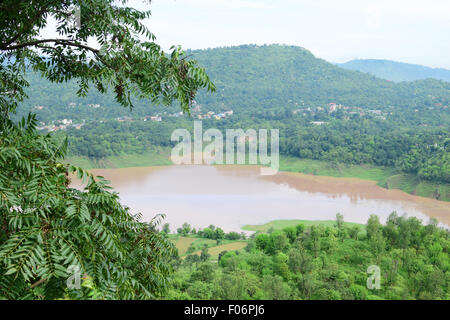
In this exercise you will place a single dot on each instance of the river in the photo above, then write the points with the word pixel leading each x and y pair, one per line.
pixel 233 196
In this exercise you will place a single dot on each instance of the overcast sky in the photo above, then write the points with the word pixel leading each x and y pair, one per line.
pixel 413 31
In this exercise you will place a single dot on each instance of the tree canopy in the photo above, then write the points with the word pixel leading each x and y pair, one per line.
pixel 325 262
pixel 124 56
pixel 49 229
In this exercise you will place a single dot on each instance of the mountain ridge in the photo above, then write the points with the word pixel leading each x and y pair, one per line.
pixel 396 70
pixel 251 77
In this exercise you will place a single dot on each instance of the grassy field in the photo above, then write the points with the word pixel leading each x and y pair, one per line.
pixel 183 244
pixel 323 168
pixel 280 224
pixel 215 250
pixel 412 184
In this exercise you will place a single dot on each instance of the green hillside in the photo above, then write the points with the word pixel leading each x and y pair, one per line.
pixel 273 76
pixel 250 78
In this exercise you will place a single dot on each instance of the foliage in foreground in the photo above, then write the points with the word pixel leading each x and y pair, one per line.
pixel 49 228
pixel 321 262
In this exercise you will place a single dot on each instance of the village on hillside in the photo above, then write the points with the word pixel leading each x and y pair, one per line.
pixel 196 113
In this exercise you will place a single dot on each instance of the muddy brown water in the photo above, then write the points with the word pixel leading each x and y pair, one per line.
pixel 233 196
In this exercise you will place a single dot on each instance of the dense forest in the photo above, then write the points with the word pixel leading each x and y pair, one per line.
pixel 286 76
pixel 323 262
pixel 254 78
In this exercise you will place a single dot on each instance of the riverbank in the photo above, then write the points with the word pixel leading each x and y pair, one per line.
pixel 180 191
pixel 386 177
pixel 158 156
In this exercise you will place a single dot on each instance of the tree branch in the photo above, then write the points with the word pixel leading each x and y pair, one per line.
pixel 99 57
pixel 38 283
pixel 30 24
pixel 65 42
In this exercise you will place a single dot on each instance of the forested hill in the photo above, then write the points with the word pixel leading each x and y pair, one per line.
pixel 396 71
pixel 274 76
pixel 260 78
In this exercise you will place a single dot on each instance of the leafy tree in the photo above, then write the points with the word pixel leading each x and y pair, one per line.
pixel 262 242
pixel 204 273
pixel 375 235
pixel 221 255
pixel 232 236
pixel 201 290
pixel 291 233
pixel 281 266
pixel 204 255
pixel 166 228
pixel 48 226
pixel 354 232
pixel 339 220
pixel 374 226
pixel 219 234
pixel 207 233
pixel 232 286
pixel 185 229
pixel 192 258
pixel 275 288
pixel 279 241
pixel 300 261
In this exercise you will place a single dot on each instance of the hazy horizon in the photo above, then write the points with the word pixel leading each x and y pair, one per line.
pixel 410 31
pixel 299 46
pixel 403 31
